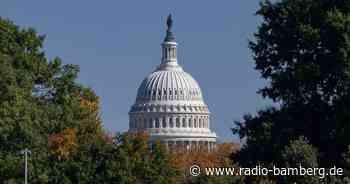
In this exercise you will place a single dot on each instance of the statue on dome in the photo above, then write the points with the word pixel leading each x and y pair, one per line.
pixel 169 22
pixel 169 35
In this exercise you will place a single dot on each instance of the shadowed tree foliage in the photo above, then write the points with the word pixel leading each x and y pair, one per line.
pixel 300 153
pixel 302 48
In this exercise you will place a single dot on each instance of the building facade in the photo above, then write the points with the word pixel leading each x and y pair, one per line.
pixel 169 105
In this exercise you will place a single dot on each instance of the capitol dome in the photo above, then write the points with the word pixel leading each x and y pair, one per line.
pixel 169 104
pixel 170 84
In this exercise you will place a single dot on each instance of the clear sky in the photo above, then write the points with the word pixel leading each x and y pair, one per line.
pixel 117 44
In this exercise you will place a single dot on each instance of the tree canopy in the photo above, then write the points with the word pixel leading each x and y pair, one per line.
pixel 302 49
pixel 43 108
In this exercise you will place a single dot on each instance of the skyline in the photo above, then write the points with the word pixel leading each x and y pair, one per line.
pixel 115 55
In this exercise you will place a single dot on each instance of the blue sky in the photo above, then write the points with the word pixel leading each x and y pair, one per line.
pixel 117 43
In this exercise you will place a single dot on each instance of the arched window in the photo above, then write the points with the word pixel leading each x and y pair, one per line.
pixel 190 122
pixel 150 123
pixel 195 123
pixel 178 122
pixel 164 122
pixel 183 122
pixel 171 122
pixel 157 123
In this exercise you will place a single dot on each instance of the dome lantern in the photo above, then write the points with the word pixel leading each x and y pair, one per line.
pixel 169 49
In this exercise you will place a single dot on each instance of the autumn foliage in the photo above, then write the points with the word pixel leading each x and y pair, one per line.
pixel 220 157
pixel 63 144
pixel 182 160
pixel 90 113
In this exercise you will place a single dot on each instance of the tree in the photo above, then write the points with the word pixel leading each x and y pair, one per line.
pixel 302 49
pixel 299 153
pixel 43 108
pixel 182 160
pixel 141 162
pixel 63 144
pixel 36 100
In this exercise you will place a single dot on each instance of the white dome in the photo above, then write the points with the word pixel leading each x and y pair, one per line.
pixel 169 85
pixel 169 104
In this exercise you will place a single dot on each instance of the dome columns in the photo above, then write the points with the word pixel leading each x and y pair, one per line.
pixel 169 53
pixel 169 56
pixel 193 144
pixel 168 120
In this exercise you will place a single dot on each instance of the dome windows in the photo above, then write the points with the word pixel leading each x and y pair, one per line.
pixel 164 125
pixel 141 122
pixel 178 125
pixel 157 123
pixel 171 123
pixel 184 123
pixel 190 123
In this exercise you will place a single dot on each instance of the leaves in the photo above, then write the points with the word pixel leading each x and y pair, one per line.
pixel 220 157
pixel 302 49
pixel 63 144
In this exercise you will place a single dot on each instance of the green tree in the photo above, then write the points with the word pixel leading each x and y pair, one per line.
pixel 142 162
pixel 43 108
pixel 299 153
pixel 302 48
pixel 36 101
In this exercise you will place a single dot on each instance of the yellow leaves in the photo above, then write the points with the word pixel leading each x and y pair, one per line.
pixel 220 157
pixel 63 144
pixel 183 160
pixel 224 152
pixel 90 121
pixel 92 106
pixel 141 139
pixel 144 136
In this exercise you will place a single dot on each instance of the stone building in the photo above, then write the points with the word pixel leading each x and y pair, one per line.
pixel 169 105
